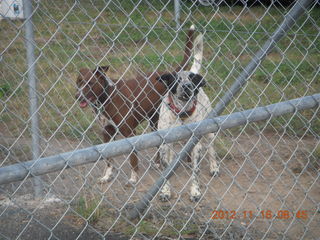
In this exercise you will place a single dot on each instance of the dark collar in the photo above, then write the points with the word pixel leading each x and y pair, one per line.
pixel 178 112
pixel 103 98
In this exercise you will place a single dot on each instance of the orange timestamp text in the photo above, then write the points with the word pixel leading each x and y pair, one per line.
pixel 264 214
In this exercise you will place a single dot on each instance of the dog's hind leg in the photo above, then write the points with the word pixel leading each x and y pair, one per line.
pixel 134 168
pixel 166 154
pixel 196 155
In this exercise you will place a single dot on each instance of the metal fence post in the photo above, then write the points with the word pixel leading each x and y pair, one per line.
pixel 177 13
pixel 32 81
pixel 297 10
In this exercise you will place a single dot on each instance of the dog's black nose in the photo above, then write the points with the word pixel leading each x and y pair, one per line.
pixel 187 88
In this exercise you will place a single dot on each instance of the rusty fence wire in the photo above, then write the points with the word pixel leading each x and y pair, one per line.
pixel 59 180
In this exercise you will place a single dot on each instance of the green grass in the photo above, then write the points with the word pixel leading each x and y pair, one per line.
pixel 4 90
pixel 71 37
pixel 150 227
pixel 88 209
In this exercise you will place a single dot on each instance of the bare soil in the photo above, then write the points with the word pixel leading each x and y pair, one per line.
pixel 268 187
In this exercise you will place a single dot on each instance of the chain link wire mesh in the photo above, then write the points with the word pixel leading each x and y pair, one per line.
pixel 268 182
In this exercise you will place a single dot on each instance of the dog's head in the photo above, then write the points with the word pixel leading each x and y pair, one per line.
pixel 91 85
pixel 184 85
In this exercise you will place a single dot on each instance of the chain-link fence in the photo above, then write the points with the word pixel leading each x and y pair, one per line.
pixel 74 74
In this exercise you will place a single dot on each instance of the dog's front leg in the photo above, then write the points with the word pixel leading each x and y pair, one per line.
pixel 108 135
pixel 166 154
pixel 214 167
pixel 196 155
pixel 153 119
pixel 127 132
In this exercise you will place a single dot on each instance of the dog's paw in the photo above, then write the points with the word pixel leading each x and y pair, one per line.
pixel 214 170
pixel 131 183
pixel 165 193
pixel 133 179
pixel 214 173
pixel 195 193
pixel 109 176
pixel 195 198
pixel 106 179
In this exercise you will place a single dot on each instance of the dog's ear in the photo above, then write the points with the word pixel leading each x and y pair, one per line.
pixel 197 80
pixel 82 73
pixel 103 69
pixel 100 74
pixel 168 79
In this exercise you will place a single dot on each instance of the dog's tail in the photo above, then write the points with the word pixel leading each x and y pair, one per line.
pixel 187 50
pixel 197 54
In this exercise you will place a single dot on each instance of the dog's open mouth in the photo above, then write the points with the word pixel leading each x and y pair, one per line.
pixel 84 103
pixel 185 97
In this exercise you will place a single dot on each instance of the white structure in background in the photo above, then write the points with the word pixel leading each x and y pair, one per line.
pixel 12 9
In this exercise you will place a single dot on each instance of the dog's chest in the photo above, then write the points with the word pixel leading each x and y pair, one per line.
pixel 101 119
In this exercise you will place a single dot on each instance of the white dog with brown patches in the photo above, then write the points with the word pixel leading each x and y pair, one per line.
pixel 186 102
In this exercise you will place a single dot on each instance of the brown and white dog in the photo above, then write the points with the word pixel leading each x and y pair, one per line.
pixel 124 104
pixel 186 102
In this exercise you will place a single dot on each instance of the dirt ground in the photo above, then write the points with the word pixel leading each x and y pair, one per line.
pixel 267 188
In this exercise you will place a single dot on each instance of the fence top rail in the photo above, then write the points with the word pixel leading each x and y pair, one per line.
pixel 20 171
